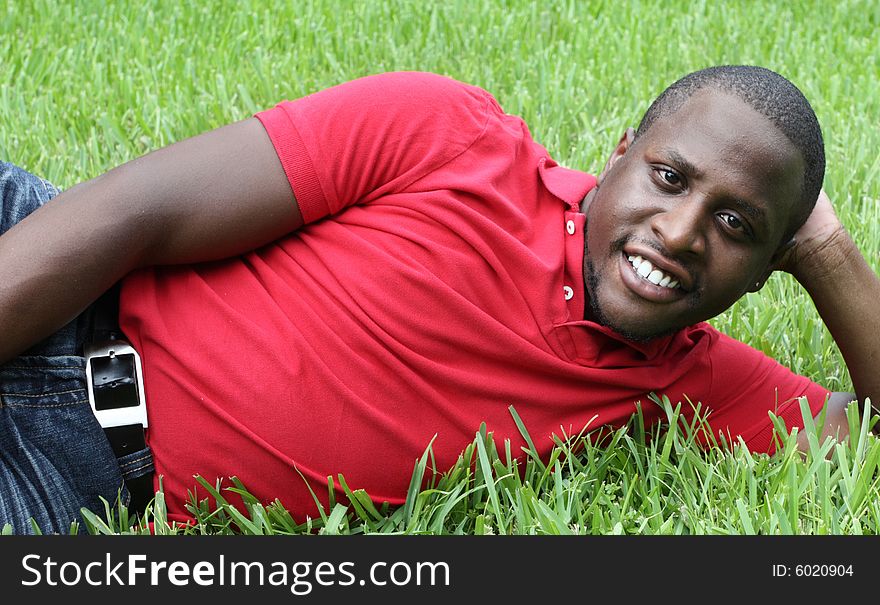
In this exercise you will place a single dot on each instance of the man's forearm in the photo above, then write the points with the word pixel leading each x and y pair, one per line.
pixel 846 292
pixel 215 195
pixel 61 258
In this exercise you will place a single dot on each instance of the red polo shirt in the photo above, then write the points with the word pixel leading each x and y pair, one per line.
pixel 437 282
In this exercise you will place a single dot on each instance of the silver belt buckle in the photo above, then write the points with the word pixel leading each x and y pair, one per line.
pixel 115 380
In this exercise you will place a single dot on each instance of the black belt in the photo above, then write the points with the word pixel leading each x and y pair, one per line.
pixel 116 394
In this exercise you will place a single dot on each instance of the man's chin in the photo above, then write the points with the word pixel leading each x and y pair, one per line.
pixel 629 331
pixel 636 335
pixel 627 327
pixel 642 337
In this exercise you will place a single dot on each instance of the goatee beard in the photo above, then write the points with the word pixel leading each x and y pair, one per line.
pixel 596 314
pixel 593 310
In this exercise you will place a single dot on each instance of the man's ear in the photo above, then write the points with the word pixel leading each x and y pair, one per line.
pixel 775 264
pixel 623 144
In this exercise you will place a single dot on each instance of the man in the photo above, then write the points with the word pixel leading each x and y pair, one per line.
pixel 326 287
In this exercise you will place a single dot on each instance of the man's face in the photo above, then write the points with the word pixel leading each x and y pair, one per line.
pixel 705 197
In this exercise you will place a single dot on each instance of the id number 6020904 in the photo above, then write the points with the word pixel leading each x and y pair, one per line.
pixel 812 570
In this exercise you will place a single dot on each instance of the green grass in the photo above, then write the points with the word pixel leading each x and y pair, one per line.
pixel 636 481
pixel 85 86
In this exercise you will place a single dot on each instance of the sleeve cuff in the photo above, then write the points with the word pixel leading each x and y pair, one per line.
pixel 297 164
pixel 789 412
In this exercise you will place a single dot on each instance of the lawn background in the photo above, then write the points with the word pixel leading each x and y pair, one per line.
pixel 85 86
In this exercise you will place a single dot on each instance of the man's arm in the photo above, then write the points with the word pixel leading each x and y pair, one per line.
pixel 213 196
pixel 845 290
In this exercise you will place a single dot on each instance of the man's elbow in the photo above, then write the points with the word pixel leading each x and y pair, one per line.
pixel 835 423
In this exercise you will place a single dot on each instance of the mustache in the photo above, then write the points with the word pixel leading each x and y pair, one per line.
pixel 618 245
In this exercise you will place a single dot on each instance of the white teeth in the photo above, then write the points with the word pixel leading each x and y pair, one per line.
pixel 657 277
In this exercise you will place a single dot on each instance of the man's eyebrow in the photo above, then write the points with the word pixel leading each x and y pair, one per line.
pixel 755 212
pixel 681 162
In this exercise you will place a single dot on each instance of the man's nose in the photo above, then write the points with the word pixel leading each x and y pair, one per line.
pixel 681 227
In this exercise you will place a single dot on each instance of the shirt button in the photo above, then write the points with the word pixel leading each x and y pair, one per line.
pixel 569 226
pixel 569 293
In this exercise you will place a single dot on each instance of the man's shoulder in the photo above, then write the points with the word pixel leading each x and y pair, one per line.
pixel 422 91
pixel 418 101
pixel 719 347
pixel 393 80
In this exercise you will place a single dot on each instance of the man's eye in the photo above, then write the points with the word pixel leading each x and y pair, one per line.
pixel 732 221
pixel 669 177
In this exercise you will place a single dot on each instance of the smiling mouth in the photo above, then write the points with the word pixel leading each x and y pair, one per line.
pixel 645 270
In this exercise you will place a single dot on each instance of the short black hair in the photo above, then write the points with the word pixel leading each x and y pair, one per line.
pixel 771 95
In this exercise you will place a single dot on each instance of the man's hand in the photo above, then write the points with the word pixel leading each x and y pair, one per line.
pixel 814 245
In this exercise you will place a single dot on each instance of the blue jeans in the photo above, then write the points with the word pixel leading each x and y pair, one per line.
pixel 54 457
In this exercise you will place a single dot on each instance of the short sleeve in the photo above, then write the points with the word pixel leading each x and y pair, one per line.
pixel 355 142
pixel 747 385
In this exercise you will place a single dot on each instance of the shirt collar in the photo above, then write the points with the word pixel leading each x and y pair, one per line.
pixel 568 185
